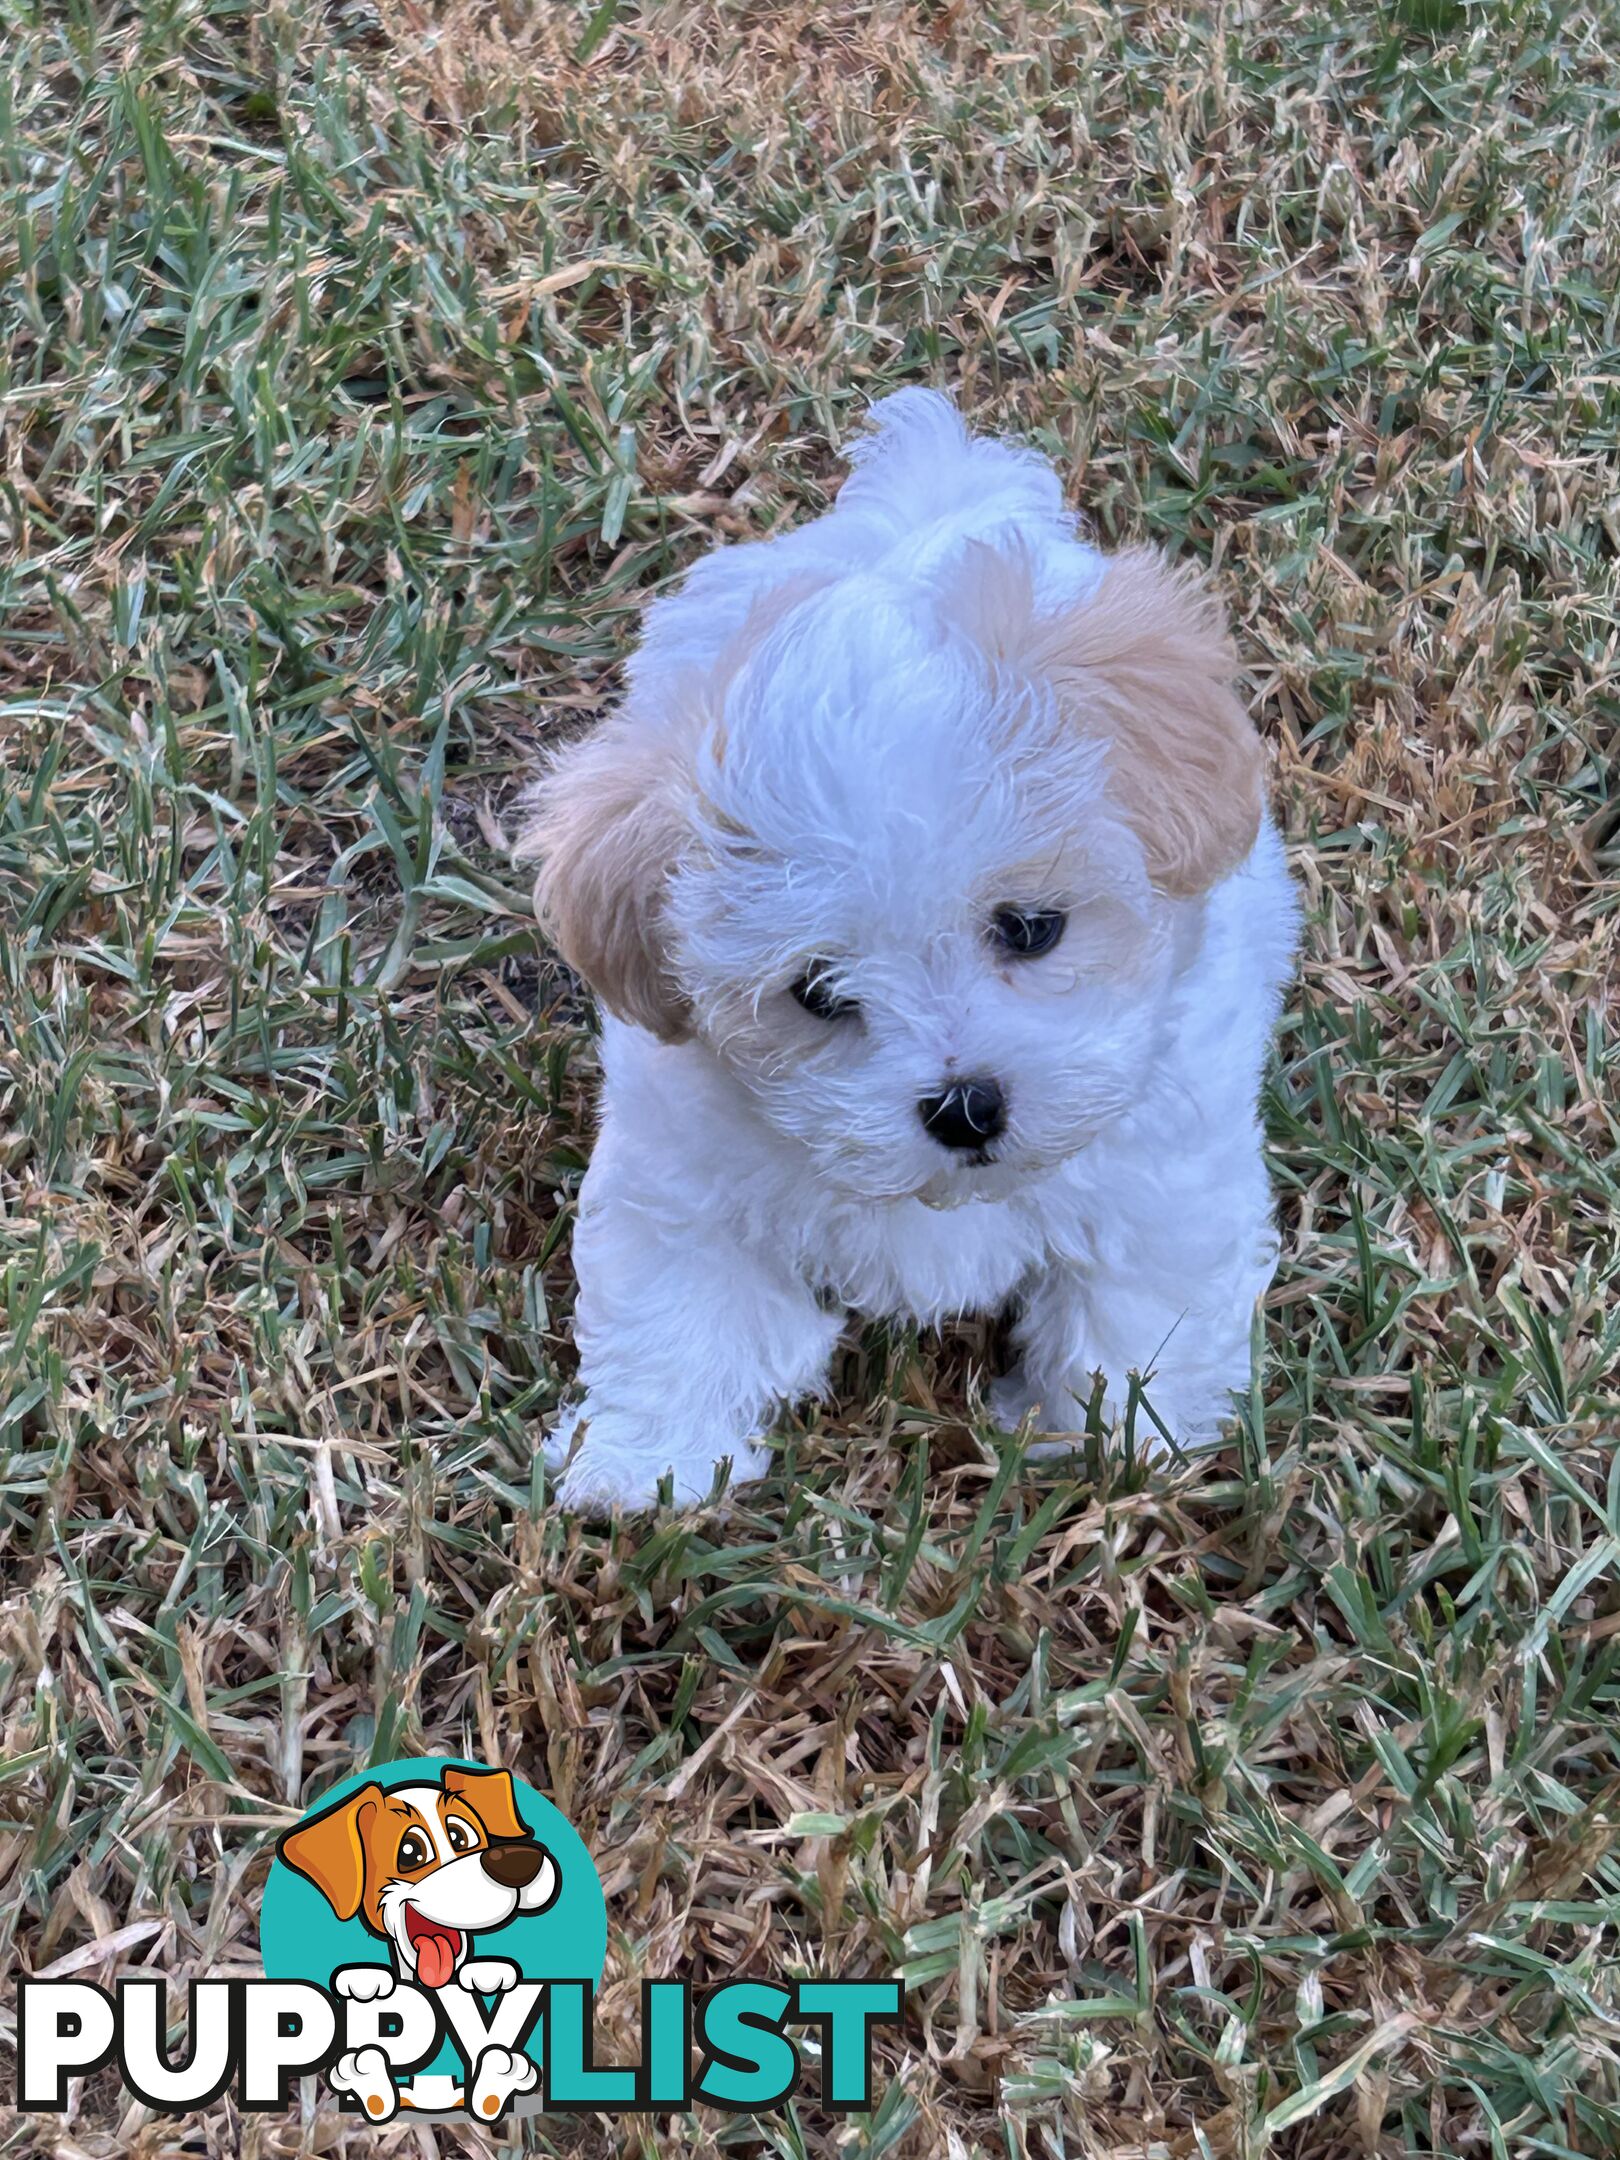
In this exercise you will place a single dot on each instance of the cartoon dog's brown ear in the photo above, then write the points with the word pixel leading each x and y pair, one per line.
pixel 329 1850
pixel 492 1798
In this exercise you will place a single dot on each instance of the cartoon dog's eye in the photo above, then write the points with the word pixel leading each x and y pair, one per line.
pixel 1026 933
pixel 814 991
pixel 414 1850
pixel 461 1838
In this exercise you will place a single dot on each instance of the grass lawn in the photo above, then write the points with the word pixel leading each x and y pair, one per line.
pixel 364 366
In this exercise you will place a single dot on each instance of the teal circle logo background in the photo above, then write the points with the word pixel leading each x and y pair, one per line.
pixel 302 1938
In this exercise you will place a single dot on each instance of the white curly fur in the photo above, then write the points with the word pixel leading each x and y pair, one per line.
pixel 852 744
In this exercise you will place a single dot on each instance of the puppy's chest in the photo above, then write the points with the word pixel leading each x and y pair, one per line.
pixel 924 1263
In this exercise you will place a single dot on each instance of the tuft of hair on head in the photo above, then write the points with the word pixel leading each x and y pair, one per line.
pixel 1145 663
pixel 606 822
pixel 918 463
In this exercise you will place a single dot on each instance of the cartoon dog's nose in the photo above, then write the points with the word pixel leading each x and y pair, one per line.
pixel 967 1114
pixel 514 1865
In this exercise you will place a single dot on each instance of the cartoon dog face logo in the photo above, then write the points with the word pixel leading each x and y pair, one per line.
pixel 427 1867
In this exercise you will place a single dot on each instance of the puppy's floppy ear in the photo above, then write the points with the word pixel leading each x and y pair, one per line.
pixel 611 813
pixel 1146 663
pixel 609 816
pixel 492 1798
pixel 329 1850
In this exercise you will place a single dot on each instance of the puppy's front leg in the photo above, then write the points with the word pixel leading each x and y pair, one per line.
pixel 689 1340
pixel 1168 1293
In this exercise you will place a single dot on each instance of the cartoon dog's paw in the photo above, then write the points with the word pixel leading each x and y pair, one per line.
pixel 488 1976
pixel 499 2077
pixel 365 2073
pixel 364 1983
pixel 620 1461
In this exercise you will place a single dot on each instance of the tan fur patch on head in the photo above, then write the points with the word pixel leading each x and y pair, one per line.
pixel 1145 663
pixel 1148 658
pixel 609 817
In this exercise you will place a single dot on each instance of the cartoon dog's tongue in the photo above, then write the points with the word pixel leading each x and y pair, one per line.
pixel 435 1946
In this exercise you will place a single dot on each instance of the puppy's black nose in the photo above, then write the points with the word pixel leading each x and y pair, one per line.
pixel 514 1865
pixel 969 1114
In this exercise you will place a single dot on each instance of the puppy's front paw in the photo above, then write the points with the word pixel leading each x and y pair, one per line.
pixel 1011 1399
pixel 619 1461
pixel 364 1983
pixel 488 1976
pixel 1060 1416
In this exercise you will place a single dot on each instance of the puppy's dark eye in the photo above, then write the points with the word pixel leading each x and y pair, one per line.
pixel 1026 933
pixel 461 1838
pixel 414 1850
pixel 815 992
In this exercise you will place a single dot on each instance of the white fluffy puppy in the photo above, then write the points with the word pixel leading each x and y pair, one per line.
pixel 925 881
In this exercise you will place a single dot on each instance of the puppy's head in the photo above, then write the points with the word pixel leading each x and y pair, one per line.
pixel 915 862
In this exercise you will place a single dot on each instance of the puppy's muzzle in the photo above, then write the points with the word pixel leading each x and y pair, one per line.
pixel 514 1865
pixel 969 1114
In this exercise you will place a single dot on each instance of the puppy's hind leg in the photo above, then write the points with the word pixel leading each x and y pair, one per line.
pixel 689 1341
pixel 1057 1354
pixel 1168 1295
